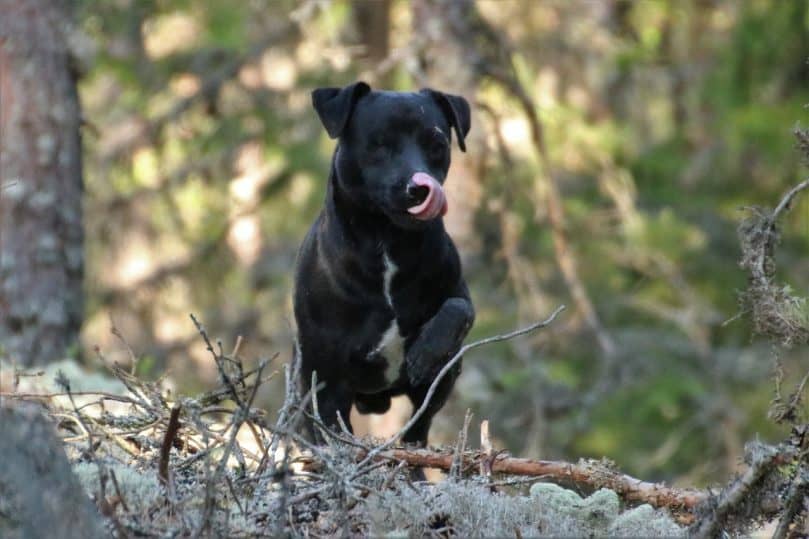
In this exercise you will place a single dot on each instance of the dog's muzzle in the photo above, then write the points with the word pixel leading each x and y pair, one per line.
pixel 428 195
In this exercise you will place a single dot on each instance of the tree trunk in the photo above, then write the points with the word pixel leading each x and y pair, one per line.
pixel 41 496
pixel 443 25
pixel 372 22
pixel 41 236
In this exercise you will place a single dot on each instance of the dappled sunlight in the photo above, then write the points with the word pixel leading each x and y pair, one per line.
pixel 278 71
pixel 185 84
pixel 244 238
pixel 145 167
pixel 172 324
pixel 516 133
pixel 169 34
pixel 172 327
pixel 253 172
pixel 135 262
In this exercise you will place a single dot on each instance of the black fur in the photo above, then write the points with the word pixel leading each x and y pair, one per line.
pixel 342 309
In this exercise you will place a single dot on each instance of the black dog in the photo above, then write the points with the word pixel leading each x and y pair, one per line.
pixel 380 302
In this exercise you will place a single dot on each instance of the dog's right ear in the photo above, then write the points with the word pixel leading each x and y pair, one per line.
pixel 334 105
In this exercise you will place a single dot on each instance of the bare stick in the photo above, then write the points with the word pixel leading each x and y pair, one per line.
pixel 486 448
pixel 457 468
pixel 450 364
pixel 44 396
pixel 168 441
pixel 786 201
pixel 218 360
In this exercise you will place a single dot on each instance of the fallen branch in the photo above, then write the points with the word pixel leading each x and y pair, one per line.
pixel 450 364
pixel 588 474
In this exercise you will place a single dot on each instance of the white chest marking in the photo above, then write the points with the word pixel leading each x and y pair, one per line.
pixel 391 345
pixel 387 279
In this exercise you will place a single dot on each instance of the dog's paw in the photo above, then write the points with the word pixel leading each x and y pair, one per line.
pixel 438 341
pixel 427 357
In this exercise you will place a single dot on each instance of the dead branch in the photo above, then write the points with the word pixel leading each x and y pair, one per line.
pixel 168 441
pixel 786 201
pixel 765 461
pixel 588 474
pixel 798 491
pixel 776 313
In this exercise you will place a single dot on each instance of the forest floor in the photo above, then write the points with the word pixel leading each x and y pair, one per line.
pixel 158 466
pixel 211 465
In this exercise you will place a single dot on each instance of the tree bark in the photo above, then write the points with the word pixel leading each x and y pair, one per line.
pixel 40 495
pixel 41 235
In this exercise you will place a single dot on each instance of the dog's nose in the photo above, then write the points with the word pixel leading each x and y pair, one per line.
pixel 416 194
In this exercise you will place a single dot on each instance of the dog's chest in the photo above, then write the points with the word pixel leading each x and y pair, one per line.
pixel 391 344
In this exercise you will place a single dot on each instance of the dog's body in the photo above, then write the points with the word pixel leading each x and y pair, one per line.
pixel 380 302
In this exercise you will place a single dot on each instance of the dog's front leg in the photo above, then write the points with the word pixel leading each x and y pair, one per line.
pixel 438 340
pixel 333 399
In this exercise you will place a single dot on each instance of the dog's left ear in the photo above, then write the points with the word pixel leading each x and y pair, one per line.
pixel 456 110
pixel 334 105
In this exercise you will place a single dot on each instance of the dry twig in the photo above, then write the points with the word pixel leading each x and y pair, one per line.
pixel 168 441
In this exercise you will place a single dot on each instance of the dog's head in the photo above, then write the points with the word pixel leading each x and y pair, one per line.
pixel 394 147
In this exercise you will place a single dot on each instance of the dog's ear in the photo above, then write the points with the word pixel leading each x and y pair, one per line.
pixel 334 105
pixel 456 110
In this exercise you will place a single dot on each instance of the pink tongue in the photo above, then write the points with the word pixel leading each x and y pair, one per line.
pixel 436 202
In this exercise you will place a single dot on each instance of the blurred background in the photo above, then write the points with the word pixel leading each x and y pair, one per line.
pixel 613 145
